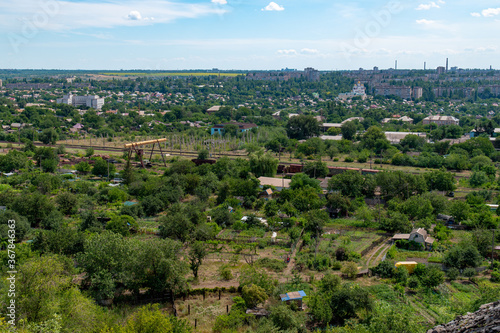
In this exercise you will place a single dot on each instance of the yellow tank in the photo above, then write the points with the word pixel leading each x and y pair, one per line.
pixel 410 265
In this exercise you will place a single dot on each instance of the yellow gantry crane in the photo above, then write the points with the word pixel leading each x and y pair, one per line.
pixel 140 152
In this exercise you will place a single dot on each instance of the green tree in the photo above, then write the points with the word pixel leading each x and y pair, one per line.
pixel 34 206
pixel 302 127
pixel 158 267
pixel 396 222
pixel 39 283
pixel 176 225
pixel 203 154
pixel 253 295
pixel 49 136
pixel 433 278
pixel 373 137
pixel 440 180
pixel 301 180
pixel 287 320
pixel 348 130
pixel 197 253
pixel 122 225
pixel 13 160
pixel 452 273
pixel 350 269
pixel 89 152
pixel 106 259
pixel 22 226
pixel 152 205
pixel 460 210
pixel 401 275
pixel 251 276
pixel 462 256
pixel 349 183
pixel 316 169
pixel 67 202
pixel 83 167
pixel 263 164
pixel 103 168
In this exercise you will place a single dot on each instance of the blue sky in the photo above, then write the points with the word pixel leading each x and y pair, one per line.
pixel 248 34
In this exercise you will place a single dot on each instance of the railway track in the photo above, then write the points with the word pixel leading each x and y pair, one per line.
pixel 188 154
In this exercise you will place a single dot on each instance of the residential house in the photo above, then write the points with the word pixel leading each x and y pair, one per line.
pixel 417 235
pixel 242 127
pixel 213 109
pixel 440 120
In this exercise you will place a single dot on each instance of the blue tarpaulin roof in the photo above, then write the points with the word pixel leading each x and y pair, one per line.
pixel 293 296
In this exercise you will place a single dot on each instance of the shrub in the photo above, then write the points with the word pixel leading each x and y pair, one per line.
pixel 349 159
pixel 336 265
pixel 495 276
pixel 341 254
pixel 453 273
pixel 350 270
pixel 433 278
pixel 253 295
pixel 469 272
pixel 225 272
pixel 401 275
pixel 272 264
pixel 413 282
pixel 385 269
pixel 320 263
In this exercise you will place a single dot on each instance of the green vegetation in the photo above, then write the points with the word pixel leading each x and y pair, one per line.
pixel 104 245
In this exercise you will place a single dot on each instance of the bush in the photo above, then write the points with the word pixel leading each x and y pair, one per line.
pixel 401 275
pixel 433 278
pixel 385 269
pixel 350 270
pixel 225 272
pixel 272 264
pixel 253 295
pixel 495 276
pixel 413 282
pixel 469 273
pixel 151 205
pixel 462 257
pixel 336 265
pixel 349 159
pixel 320 263
pixel 453 273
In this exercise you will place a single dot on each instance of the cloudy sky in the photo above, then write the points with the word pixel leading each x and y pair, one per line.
pixel 248 34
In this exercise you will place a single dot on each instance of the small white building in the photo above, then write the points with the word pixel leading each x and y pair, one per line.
pixel 91 101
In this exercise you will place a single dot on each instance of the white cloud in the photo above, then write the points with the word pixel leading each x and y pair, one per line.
pixel 220 2
pixel 476 14
pixel 64 15
pixel 287 52
pixel 425 22
pixel 273 6
pixel 134 16
pixel 309 51
pixel 430 5
pixel 490 12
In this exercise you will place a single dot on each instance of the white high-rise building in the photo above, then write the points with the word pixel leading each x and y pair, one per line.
pixel 92 101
